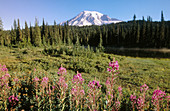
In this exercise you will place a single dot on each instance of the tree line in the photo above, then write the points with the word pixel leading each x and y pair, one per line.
pixel 136 33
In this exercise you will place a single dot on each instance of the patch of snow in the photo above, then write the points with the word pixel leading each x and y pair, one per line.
pixel 91 18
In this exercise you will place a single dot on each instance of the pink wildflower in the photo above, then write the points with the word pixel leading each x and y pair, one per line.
pixel 140 103
pixel 16 79
pixel 157 96
pixel 77 79
pixel 133 98
pixel 36 79
pixel 114 66
pixel 144 88
pixel 62 71
pixel 94 84
pixel 12 99
pixel 120 89
pixel 44 82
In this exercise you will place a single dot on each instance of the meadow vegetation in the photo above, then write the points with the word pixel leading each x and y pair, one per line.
pixel 45 78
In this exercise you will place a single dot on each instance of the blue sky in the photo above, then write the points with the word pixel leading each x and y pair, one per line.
pixel 62 10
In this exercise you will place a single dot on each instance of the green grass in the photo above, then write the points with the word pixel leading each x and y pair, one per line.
pixel 134 72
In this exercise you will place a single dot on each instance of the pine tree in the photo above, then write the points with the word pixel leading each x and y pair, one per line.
pixel 43 29
pixel 55 33
pixel 37 34
pixel 137 33
pixel 162 31
pixel 100 45
pixel 77 40
pixel 143 33
pixel 157 39
pixel 134 31
pixel 27 33
pixel 46 35
pixel 1 33
pixel 12 34
pixel 19 33
pixel 167 42
pixel 31 35
pixel 15 32
pixel 148 32
pixel 117 41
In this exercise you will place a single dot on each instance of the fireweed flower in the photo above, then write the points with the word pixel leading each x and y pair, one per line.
pixel 36 79
pixel 44 82
pixel 16 80
pixel 62 71
pixel 120 89
pixel 3 68
pixel 77 79
pixel 62 83
pixel 144 88
pixel 114 66
pixel 12 99
pixel 94 84
pixel 133 98
pixel 140 103
pixel 4 79
pixel 157 96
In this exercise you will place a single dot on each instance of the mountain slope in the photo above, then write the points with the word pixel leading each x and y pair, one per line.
pixel 87 18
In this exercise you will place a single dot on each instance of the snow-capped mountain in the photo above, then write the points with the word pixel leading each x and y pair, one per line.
pixel 87 18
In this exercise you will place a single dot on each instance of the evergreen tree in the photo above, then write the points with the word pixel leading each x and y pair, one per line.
pixel 12 34
pixel 19 33
pixel 37 34
pixel 77 40
pixel 100 45
pixel 162 31
pixel 31 35
pixel 143 33
pixel 50 36
pixel 117 35
pixel 137 33
pixel 61 33
pixel 148 32
pixel 167 42
pixel 27 33
pixel 157 39
pixel 134 31
pixel 15 32
pixel 43 28
pixel 1 33
pixel 46 33
pixel 55 33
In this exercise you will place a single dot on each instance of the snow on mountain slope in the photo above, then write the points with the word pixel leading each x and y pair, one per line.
pixel 87 18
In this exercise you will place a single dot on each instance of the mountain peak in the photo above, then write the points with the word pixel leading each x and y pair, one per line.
pixel 86 18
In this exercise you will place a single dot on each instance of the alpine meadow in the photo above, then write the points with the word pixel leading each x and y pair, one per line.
pixel 75 65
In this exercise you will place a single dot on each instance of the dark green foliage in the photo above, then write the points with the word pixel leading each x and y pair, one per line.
pixel 135 33
pixel 19 33
pixel 27 34
pixel 1 33
pixel 37 35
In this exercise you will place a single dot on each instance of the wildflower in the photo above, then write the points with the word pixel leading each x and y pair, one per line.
pixel 62 71
pixel 133 98
pixel 157 96
pixel 144 88
pixel 94 84
pixel 77 79
pixel 62 83
pixel 120 89
pixel 140 103
pixel 44 82
pixel 36 79
pixel 16 80
pixel 12 99
pixel 114 66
